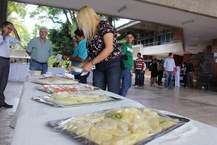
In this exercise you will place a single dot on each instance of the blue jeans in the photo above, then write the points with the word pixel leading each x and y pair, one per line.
pixel 169 80
pixel 126 78
pixel 34 65
pixel 109 76
pixel 139 77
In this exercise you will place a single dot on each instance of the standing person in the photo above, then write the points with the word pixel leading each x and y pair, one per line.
pixel 183 67
pixel 143 74
pixel 40 49
pixel 177 76
pixel 103 49
pixel 154 72
pixel 79 55
pixel 189 72
pixel 160 72
pixel 5 39
pixel 138 68
pixel 126 76
pixel 169 65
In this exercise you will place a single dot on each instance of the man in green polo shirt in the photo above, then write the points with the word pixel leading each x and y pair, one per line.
pixel 40 49
pixel 127 59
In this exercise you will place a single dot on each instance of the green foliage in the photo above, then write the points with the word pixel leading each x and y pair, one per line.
pixel 45 14
pixel 18 8
pixel 54 62
pixel 16 14
pixel 62 39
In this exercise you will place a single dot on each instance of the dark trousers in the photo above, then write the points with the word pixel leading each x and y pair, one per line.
pixel 189 77
pixel 4 73
pixel 160 76
pixel 82 79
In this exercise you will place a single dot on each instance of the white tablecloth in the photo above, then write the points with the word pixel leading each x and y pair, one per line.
pixel 57 70
pixel 32 116
pixel 18 72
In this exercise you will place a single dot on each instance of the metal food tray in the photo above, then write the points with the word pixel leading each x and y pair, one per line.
pixel 42 99
pixel 55 125
pixel 45 81
pixel 80 87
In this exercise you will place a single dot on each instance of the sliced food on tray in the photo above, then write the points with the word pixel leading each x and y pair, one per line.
pixel 70 99
pixel 65 88
pixel 122 126
pixel 55 80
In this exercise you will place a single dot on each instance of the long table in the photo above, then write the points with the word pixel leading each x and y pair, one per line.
pixel 31 118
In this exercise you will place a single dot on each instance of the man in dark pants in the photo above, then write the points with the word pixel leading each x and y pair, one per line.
pixel 189 72
pixel 138 68
pixel 5 39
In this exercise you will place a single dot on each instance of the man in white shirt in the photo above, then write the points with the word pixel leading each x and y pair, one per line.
pixel 5 39
pixel 169 65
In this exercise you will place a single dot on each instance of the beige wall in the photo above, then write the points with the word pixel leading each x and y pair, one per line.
pixel 204 7
pixel 158 49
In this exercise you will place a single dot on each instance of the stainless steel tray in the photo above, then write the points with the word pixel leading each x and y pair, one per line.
pixel 66 88
pixel 55 80
pixel 57 125
pixel 45 99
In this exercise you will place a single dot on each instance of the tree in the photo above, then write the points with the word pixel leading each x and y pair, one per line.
pixel 16 14
pixel 62 40
pixel 62 35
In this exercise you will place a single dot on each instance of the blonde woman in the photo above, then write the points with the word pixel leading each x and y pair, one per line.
pixel 103 50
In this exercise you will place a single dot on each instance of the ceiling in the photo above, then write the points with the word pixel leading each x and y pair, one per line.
pixel 198 30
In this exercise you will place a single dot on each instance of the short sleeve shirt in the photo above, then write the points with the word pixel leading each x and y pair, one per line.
pixel 97 44
pixel 128 50
pixel 40 51
pixel 80 51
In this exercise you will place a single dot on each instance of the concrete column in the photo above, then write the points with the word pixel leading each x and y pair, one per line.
pixel 3 10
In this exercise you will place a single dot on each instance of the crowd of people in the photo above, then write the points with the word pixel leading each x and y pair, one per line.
pixel 97 46
pixel 173 72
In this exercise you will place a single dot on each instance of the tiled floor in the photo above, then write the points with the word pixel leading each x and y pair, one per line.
pixel 196 104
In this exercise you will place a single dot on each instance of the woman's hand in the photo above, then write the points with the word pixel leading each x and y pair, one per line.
pixel 88 67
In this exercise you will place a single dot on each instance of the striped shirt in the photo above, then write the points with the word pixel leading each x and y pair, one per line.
pixel 139 64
